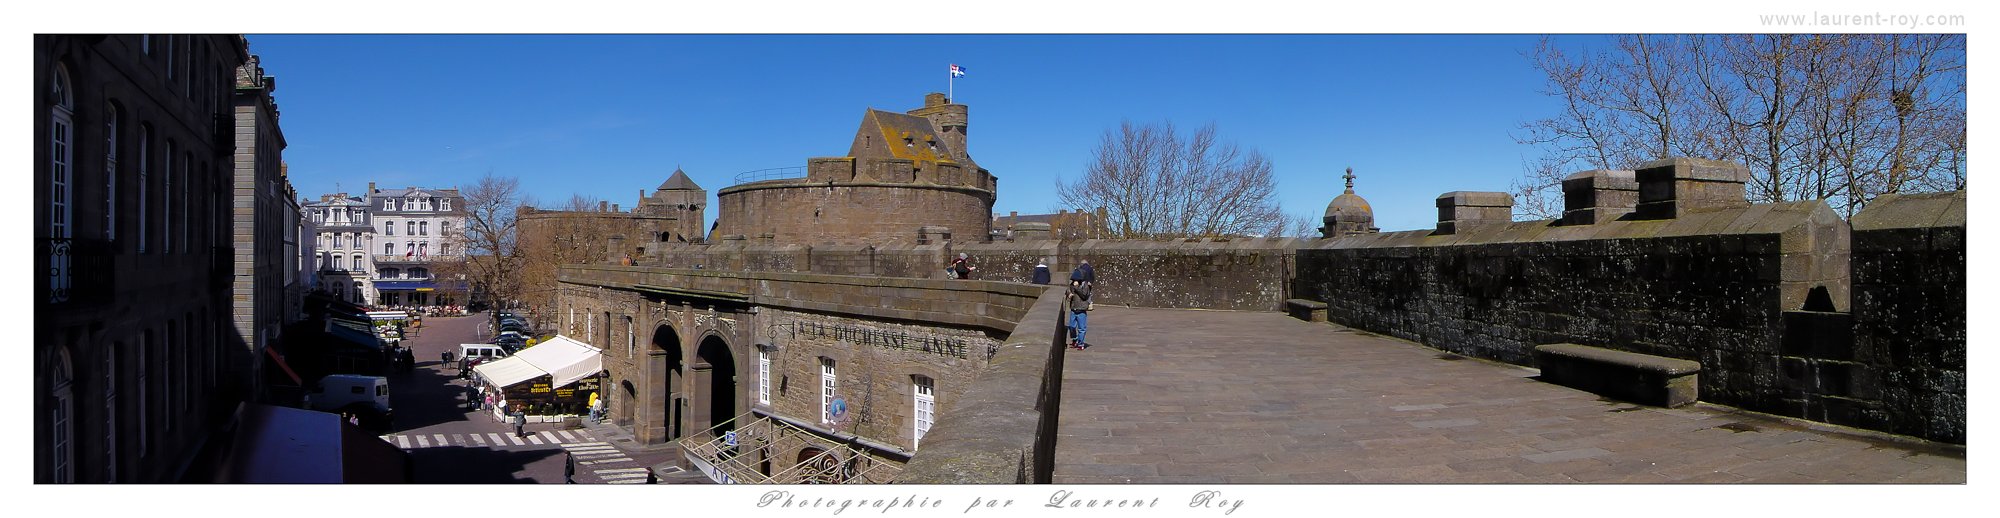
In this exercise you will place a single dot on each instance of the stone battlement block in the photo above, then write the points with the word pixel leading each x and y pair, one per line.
pixel 1640 378
pixel 1670 188
pixel 1462 210
pixel 1592 197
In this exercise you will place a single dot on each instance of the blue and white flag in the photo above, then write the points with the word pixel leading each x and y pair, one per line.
pixel 957 71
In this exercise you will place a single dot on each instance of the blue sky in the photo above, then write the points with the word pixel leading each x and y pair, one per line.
pixel 606 116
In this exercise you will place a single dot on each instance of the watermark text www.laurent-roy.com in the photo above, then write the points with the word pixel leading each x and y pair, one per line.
pixel 1819 19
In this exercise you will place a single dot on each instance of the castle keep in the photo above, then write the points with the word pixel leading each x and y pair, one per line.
pixel 907 178
pixel 828 287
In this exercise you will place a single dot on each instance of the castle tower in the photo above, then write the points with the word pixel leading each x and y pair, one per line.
pixel 679 198
pixel 950 120
pixel 1348 213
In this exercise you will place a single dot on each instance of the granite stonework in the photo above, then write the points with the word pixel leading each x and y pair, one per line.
pixel 1708 287
pixel 1903 367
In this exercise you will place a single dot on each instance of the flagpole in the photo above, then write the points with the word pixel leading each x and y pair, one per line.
pixel 950 81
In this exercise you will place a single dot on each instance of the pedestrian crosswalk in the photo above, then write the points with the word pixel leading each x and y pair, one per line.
pixel 607 462
pixel 489 440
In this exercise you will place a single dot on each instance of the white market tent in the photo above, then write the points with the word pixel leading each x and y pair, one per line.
pixel 562 358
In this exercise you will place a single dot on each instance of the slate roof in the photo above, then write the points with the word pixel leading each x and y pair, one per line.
pixel 679 182
pixel 892 127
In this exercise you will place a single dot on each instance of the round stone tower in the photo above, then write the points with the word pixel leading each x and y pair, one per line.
pixel 1348 213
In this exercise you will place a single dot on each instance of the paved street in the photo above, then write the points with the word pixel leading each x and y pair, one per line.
pixel 1190 396
pixel 451 444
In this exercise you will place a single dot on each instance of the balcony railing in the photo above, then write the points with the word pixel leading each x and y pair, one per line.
pixel 399 258
pixel 80 270
pixel 775 173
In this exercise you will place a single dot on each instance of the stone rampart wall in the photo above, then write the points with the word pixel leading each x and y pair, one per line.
pixel 1904 369
pixel 1710 286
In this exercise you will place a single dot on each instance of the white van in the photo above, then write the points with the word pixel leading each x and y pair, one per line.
pixel 483 352
pixel 367 396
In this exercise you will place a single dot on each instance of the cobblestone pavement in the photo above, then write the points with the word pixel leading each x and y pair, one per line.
pixel 1190 396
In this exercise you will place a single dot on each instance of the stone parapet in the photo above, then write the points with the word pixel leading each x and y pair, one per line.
pixel 1592 197
pixel 1674 187
pixel 1465 210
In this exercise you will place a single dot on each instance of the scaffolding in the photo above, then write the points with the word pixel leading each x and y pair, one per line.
pixel 759 444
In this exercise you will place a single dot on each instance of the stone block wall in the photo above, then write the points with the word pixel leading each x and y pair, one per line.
pixel 1710 287
pixel 1906 369
pixel 1237 274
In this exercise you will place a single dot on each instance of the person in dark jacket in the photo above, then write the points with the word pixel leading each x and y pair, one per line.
pixel 1084 273
pixel 1079 310
pixel 961 268
pixel 1041 272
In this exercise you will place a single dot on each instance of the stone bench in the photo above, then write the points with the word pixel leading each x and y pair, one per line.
pixel 1640 378
pixel 1307 310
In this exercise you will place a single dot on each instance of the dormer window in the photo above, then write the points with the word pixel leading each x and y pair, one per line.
pixel 444 204
pixel 388 204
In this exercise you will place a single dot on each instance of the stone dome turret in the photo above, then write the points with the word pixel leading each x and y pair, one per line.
pixel 1348 213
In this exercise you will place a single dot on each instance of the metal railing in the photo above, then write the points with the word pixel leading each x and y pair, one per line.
pixel 80 270
pixel 775 173
pixel 752 444
pixel 401 258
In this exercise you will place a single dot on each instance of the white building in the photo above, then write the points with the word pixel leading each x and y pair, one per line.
pixel 416 229
pixel 343 238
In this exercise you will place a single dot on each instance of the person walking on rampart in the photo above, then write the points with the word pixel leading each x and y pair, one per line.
pixel 1079 309
pixel 960 267
pixel 1041 271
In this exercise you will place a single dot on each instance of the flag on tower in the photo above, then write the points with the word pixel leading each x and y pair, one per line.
pixel 957 71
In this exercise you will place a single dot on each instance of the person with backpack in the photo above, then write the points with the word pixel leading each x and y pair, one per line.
pixel 960 268
pixel 1079 310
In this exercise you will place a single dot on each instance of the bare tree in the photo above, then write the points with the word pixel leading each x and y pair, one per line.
pixel 575 233
pixel 488 238
pixel 1155 182
pixel 1839 117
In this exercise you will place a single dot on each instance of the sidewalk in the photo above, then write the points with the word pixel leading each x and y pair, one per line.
pixel 664 461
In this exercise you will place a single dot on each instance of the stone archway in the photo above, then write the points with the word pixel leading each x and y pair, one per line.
pixel 660 421
pixel 714 386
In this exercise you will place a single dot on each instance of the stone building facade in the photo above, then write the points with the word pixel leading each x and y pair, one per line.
pixel 133 255
pixel 687 364
pixel 264 225
pixel 417 230
pixel 907 178
pixel 343 237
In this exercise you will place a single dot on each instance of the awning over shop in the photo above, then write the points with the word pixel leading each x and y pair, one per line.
pixel 564 359
pixel 506 372
pixel 405 285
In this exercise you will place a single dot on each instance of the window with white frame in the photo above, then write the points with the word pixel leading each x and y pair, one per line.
pixel 589 326
pixel 167 202
pixel 423 249
pixel 357 263
pixel 144 386
pixel 424 228
pixel 444 204
pixel 388 204
pixel 826 384
pixel 110 171
pixel 167 383
pixel 389 228
pixel 631 339
pixel 62 453
pixel 187 162
pixel 410 228
pixel 60 135
pixel 145 155
pixel 111 412
pixel 926 407
pixel 388 249
pixel 763 376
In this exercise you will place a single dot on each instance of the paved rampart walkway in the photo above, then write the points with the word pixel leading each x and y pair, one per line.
pixel 1186 396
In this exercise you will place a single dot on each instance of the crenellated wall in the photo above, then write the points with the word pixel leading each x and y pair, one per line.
pixel 1708 287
